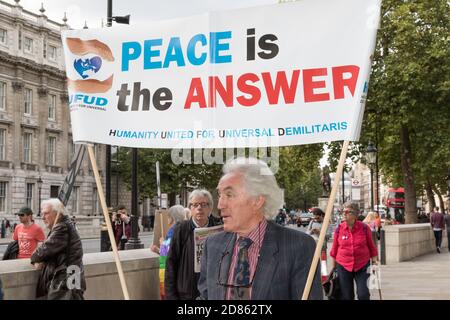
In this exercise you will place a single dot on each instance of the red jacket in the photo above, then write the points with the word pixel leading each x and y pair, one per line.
pixel 118 231
pixel 352 249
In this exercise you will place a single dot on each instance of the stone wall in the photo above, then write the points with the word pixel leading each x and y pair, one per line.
pixel 405 242
pixel 141 269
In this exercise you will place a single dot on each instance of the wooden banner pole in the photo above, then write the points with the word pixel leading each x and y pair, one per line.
pixel 326 221
pixel 162 224
pixel 108 223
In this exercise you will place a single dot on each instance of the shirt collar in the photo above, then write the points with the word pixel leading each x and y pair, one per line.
pixel 255 234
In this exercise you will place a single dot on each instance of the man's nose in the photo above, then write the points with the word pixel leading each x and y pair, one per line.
pixel 221 203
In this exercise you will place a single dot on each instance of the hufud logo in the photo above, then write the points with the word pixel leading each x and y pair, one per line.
pixel 89 61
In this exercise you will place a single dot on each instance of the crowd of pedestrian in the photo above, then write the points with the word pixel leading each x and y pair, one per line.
pixel 254 257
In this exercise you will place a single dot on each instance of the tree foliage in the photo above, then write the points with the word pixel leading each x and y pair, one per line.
pixel 409 94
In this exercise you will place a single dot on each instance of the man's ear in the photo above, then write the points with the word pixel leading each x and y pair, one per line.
pixel 259 202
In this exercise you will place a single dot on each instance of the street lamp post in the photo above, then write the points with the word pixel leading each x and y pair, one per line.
pixel 39 184
pixel 123 20
pixel 371 157
pixel 134 242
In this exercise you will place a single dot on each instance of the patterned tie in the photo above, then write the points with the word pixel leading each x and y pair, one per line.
pixel 242 272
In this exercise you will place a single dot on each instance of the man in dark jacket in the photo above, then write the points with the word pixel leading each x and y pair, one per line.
pixel 437 224
pixel 180 281
pixel 60 256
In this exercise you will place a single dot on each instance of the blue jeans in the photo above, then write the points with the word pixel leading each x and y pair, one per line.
pixel 438 237
pixel 346 279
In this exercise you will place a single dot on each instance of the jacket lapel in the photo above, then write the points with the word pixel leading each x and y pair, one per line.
pixel 267 264
pixel 224 263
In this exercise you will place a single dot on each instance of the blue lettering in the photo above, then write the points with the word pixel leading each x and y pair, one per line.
pixel 216 47
pixel 78 97
pixel 87 101
pixel 174 53
pixel 289 131
pixel 101 102
pixel 130 51
pixel 149 54
pixel 193 59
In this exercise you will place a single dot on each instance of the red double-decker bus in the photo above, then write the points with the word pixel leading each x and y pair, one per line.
pixel 395 203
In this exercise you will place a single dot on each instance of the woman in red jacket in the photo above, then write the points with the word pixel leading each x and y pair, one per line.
pixel 352 250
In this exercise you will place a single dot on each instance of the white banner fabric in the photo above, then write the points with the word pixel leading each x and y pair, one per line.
pixel 285 74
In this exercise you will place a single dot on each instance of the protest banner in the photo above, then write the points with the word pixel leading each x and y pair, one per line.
pixel 278 75
pixel 200 235
pixel 266 76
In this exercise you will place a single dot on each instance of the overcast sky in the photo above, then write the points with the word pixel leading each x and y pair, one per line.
pixel 93 11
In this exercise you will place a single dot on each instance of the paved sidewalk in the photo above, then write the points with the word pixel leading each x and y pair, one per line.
pixel 424 278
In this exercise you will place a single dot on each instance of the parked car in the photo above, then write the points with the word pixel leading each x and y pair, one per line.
pixel 304 219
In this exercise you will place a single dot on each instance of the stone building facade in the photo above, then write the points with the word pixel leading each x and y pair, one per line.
pixel 35 131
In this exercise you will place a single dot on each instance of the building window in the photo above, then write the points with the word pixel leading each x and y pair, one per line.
pixel 2 144
pixel 29 195
pixel 52 107
pixel 28 45
pixel 51 146
pixel 28 98
pixel 54 191
pixel 20 40
pixel 74 197
pixel 3 36
pixel 3 193
pixel 2 96
pixel 27 147
pixel 52 52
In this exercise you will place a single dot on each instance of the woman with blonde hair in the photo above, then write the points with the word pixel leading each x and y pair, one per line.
pixel 371 222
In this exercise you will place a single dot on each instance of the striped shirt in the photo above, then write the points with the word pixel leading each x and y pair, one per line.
pixel 257 236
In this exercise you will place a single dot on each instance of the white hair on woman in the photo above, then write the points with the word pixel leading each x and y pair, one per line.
pixel 258 180
pixel 56 205
pixel 176 213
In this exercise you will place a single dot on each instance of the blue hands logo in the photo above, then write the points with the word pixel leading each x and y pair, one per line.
pixel 83 66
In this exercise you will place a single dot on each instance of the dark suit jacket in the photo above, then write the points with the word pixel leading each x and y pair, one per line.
pixel 282 270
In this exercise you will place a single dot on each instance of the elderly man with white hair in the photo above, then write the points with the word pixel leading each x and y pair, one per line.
pixel 60 257
pixel 180 281
pixel 254 258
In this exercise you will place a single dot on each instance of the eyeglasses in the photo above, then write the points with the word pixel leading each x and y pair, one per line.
pixel 201 205
pixel 230 285
pixel 21 214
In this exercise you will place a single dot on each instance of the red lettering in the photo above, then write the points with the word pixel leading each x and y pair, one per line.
pixel 253 91
pixel 196 94
pixel 309 85
pixel 215 86
pixel 273 92
pixel 339 82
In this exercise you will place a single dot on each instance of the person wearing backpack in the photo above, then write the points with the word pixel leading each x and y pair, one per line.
pixel 351 254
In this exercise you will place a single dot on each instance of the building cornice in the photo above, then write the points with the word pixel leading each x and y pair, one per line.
pixel 30 65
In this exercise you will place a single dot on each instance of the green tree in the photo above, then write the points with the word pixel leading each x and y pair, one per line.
pixel 299 175
pixel 407 107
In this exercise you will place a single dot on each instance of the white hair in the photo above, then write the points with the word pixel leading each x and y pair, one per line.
pixel 56 205
pixel 176 213
pixel 202 193
pixel 258 180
